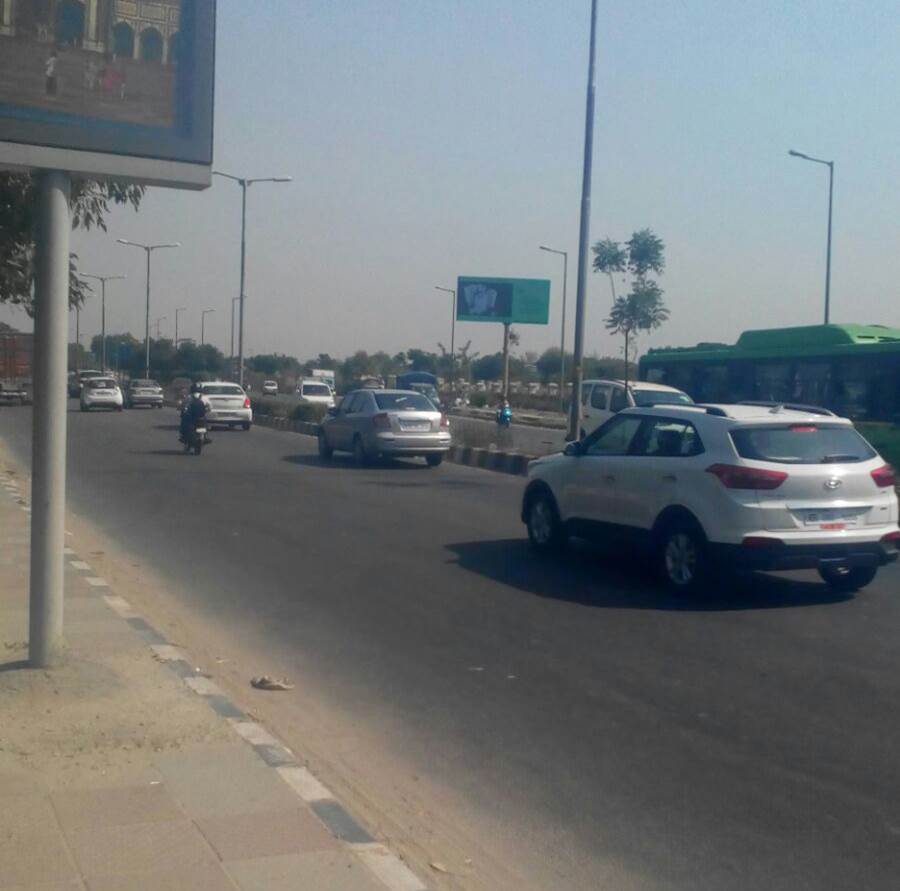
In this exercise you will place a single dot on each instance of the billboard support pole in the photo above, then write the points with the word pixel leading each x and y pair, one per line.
pixel 48 461
pixel 583 238
pixel 506 361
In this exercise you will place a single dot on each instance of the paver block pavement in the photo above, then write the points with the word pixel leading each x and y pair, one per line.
pixel 221 780
pixel 83 808
pixel 321 870
pixel 138 848
pixel 200 877
pixel 266 834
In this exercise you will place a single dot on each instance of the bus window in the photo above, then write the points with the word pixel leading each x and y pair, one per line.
pixel 812 382
pixel 772 381
pixel 712 384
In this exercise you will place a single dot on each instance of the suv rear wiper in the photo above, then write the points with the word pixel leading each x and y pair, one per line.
pixel 838 459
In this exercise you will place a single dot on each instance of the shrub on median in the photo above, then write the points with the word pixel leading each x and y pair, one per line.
pixel 310 413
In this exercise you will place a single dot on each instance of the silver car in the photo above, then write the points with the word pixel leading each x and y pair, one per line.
pixel 390 423
pixel 144 392
pixel 229 404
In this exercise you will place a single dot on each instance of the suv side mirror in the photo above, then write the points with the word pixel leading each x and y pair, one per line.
pixel 574 449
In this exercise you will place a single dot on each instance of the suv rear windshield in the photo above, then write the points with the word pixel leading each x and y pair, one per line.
pixel 100 383
pixel 664 397
pixel 802 444
pixel 315 390
pixel 403 402
pixel 223 390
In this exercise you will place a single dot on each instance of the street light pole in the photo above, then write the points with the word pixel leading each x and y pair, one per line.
pixel 245 183
pixel 204 313
pixel 233 301
pixel 148 248
pixel 830 166
pixel 157 323
pixel 103 279
pixel 180 309
pixel 562 337
pixel 583 236
pixel 452 294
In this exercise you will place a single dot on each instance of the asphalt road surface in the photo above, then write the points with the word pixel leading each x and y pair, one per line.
pixel 622 738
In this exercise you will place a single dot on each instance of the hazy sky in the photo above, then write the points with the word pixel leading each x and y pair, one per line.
pixel 442 138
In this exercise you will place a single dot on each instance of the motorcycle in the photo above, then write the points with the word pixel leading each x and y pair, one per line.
pixel 196 439
pixel 504 416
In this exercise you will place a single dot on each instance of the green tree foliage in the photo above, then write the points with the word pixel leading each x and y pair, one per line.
pixel 273 363
pixel 488 368
pixel 642 310
pixel 126 353
pixel 91 203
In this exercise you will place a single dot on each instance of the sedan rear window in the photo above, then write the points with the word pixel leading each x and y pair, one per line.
pixel 142 384
pixel 100 383
pixel 403 402
pixel 223 390
pixel 802 444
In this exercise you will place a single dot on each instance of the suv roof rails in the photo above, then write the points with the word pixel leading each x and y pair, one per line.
pixel 792 406
pixel 709 409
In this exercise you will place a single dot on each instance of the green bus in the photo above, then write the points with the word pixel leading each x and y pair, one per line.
pixel 854 370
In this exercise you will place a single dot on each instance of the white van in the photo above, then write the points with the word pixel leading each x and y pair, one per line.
pixel 600 400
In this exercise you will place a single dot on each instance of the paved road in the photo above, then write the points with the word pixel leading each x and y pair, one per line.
pixel 626 739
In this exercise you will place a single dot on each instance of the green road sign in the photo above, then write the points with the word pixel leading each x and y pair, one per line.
pixel 520 301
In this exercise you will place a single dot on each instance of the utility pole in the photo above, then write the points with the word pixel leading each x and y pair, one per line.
pixel 583 237
pixel 452 294
pixel 562 336
pixel 149 248
pixel 103 279
pixel 245 183
pixel 506 361
pixel 203 316
pixel 48 451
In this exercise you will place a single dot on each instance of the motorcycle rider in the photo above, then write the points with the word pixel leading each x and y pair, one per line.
pixel 193 411
pixel 504 414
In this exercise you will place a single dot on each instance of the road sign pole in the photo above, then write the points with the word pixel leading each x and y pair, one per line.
pixel 48 461
pixel 506 361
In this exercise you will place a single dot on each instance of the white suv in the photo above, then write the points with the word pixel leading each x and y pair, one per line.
pixel 749 486
pixel 601 399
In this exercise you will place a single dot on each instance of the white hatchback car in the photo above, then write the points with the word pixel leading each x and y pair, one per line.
pixel 101 392
pixel 748 486
pixel 601 399
pixel 312 391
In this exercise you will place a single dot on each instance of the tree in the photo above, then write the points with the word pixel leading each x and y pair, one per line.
pixel 90 203
pixel 642 310
pixel 549 364
pixel 488 368
pixel 609 257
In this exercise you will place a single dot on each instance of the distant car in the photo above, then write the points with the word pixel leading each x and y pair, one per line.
pixel 270 388
pixel 11 394
pixel 77 379
pixel 700 488
pixel 314 392
pixel 390 423
pixel 143 392
pixel 101 392
pixel 230 405
pixel 601 399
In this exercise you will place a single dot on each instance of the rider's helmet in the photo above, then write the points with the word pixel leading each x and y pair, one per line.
pixel 195 388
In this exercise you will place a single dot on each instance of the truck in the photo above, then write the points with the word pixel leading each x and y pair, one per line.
pixel 16 350
pixel 324 375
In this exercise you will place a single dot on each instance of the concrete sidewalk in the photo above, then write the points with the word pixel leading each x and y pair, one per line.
pixel 129 769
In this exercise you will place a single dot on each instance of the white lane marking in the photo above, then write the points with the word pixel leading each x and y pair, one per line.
pixel 204 686
pixel 97 582
pixel 255 734
pixel 304 783
pixel 80 564
pixel 168 653
pixel 120 606
pixel 388 867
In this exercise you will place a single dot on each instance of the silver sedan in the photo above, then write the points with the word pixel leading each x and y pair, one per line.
pixel 390 423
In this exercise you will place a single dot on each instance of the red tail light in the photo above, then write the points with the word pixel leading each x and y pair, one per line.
pixel 892 538
pixel 884 476
pixel 445 422
pixel 246 402
pixel 736 477
pixel 382 421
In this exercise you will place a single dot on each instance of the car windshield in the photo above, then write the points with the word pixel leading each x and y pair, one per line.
pixel 802 444
pixel 316 390
pixel 222 390
pixel 101 383
pixel 403 402
pixel 660 397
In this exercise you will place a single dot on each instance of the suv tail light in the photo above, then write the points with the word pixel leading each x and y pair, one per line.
pixel 246 402
pixel 381 421
pixel 445 422
pixel 884 476
pixel 733 476
pixel 892 538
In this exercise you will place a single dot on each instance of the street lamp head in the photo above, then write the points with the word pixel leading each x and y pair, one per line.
pixel 174 244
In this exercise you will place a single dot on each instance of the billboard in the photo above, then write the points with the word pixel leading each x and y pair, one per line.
pixel 512 300
pixel 119 88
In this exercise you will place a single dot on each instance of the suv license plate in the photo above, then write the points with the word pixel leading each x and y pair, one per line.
pixel 831 519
